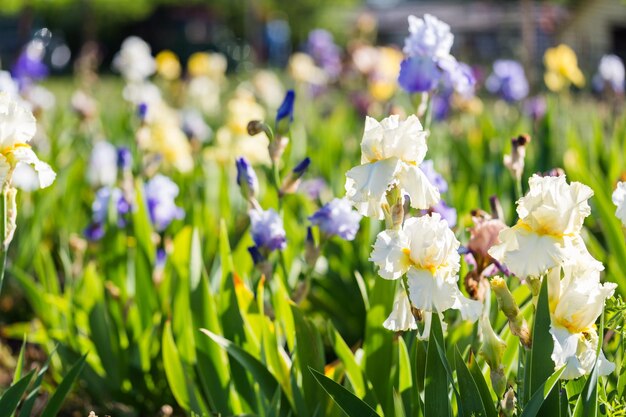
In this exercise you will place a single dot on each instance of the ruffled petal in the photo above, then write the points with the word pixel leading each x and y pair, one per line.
pixel 526 253
pixel 388 254
pixel 564 352
pixel 367 184
pixel 45 174
pixel 415 184
pixel 401 317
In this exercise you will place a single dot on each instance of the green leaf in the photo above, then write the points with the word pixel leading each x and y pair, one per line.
pixel 173 368
pixel 482 386
pixel 398 405
pixel 262 376
pixel 436 401
pixel 378 344
pixel 19 367
pixel 178 374
pixel 470 395
pixel 29 402
pixel 353 370
pixel 11 398
pixel 309 354
pixel 347 401
pixel 56 401
pixel 541 365
pixel 536 402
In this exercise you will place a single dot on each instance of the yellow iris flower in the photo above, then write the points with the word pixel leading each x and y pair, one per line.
pixel 562 68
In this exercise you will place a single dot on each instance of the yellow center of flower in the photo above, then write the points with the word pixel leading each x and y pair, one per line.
pixel 432 268
pixel 7 151
pixel 572 324
pixel 542 230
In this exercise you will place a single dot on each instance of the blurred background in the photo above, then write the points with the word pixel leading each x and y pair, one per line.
pixel 252 32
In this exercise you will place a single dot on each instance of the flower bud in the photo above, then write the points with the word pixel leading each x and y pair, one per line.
pixel 11 215
pixel 509 307
pixel 277 147
pixel 255 254
pixel 483 236
pixel 124 158
pixel 311 251
pixel 290 184
pixel 247 179
pixel 509 403
pixel 284 115
pixel 142 112
pixel 515 161
pixel 492 350
pixel 256 126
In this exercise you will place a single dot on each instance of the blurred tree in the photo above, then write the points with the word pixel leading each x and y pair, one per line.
pixel 303 15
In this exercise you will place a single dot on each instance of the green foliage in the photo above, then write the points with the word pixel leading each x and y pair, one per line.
pixel 259 352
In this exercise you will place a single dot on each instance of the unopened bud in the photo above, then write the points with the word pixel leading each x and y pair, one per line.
pixel 257 126
pixel 515 161
pixel 257 258
pixel 492 350
pixel 397 214
pixel 246 179
pixel 11 215
pixel 284 115
pixel 312 251
pixel 277 147
pixel 508 405
pixel 509 307
pixel 290 184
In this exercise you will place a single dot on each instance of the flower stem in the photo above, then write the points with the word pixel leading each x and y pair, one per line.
pixel 3 228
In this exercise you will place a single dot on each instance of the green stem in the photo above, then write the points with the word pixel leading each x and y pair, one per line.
pixel 518 188
pixel 283 267
pixel 3 228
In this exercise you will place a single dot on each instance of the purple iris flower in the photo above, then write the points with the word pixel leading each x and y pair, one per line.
pixel 29 65
pixel 419 74
pixel 106 196
pixel 337 218
pixel 267 230
pixel 457 76
pixel 508 80
pixel 536 107
pixel 447 213
pixel 246 178
pixel 313 188
pixel 160 194
pixel 441 106
pixel 124 158
pixel 325 53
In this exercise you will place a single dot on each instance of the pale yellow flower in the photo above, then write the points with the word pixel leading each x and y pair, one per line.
pixel 168 65
pixel 562 68
pixel 384 79
pixel 302 68
pixel 269 88
pixel 162 135
pixel 209 64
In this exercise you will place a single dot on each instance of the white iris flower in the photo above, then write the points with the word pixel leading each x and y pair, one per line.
pixel 576 302
pixel 619 199
pixel 391 152
pixel 426 250
pixel 547 233
pixel 17 128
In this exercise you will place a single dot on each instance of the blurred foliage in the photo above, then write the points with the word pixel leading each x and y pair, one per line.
pixel 303 15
